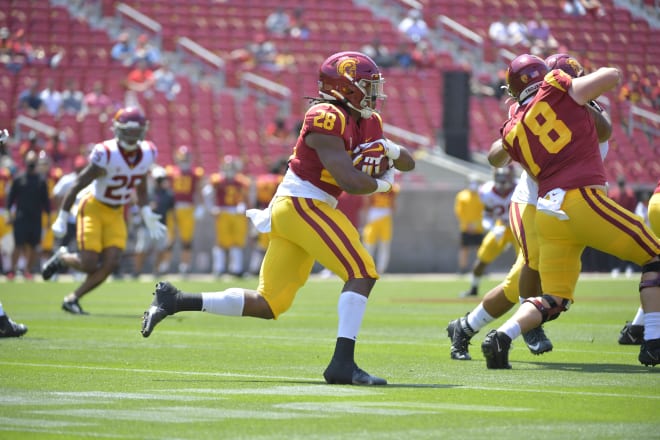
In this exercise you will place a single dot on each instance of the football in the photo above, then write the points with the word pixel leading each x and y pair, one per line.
pixel 371 159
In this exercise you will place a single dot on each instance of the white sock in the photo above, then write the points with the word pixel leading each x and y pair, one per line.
pixel 2 311
pixel 639 317
pixel 236 260
pixel 219 260
pixel 478 318
pixel 651 326
pixel 475 280
pixel 228 302
pixel 511 328
pixel 350 308
pixel 383 257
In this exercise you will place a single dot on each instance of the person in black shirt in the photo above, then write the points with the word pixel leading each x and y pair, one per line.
pixel 28 198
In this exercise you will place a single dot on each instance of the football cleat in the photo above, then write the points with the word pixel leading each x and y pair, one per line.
pixel 649 352
pixel 348 373
pixel 164 304
pixel 631 334
pixel 495 348
pixel 472 291
pixel 460 333
pixel 73 307
pixel 11 329
pixel 54 264
pixel 537 341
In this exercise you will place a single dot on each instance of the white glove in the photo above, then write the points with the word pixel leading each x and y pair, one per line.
pixel 392 150
pixel 4 136
pixel 60 225
pixel 240 208
pixel 386 181
pixel 156 229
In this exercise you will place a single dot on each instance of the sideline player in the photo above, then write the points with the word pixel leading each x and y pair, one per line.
pixel 116 168
pixel 303 221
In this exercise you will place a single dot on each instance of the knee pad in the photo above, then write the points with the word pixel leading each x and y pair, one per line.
pixel 548 313
pixel 653 266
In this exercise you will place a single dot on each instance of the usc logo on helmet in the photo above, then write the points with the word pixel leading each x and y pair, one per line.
pixel 348 66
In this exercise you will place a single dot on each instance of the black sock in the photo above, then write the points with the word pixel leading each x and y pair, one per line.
pixel 189 302
pixel 344 350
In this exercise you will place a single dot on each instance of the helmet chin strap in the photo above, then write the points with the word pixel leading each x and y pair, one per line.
pixel 365 113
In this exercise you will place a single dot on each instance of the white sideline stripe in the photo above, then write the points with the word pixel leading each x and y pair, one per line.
pixel 315 379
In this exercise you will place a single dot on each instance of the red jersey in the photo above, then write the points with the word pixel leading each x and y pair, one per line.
pixel 230 191
pixel 554 138
pixel 184 182
pixel 266 185
pixel 330 119
pixel 5 182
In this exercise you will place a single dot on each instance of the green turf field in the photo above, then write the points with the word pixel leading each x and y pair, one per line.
pixel 201 376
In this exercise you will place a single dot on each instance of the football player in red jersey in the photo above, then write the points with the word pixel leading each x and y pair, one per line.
pixel 226 198
pixel 554 138
pixel 187 183
pixel 303 221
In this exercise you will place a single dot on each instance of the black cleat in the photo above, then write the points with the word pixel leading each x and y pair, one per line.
pixel 460 333
pixel 73 307
pixel 164 304
pixel 631 334
pixel 348 373
pixel 472 291
pixel 649 352
pixel 496 350
pixel 11 329
pixel 537 341
pixel 54 264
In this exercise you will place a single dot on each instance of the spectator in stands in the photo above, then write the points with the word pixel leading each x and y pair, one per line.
pixel 414 26
pixel 403 56
pixel 145 50
pixel 52 99
pixel 56 149
pixel 583 7
pixel 165 82
pixel 72 98
pixel 497 31
pixel 299 28
pixel 29 100
pixel 22 47
pixel 423 56
pixel 139 83
pixel 276 132
pixel 5 45
pixel 263 52
pixel 285 60
pixel 122 50
pixel 517 31
pixel 97 102
pixel 378 52
pixel 278 22
pixel 32 143
pixel 539 35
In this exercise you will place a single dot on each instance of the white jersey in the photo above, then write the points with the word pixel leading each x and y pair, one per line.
pixel 121 174
pixel 496 206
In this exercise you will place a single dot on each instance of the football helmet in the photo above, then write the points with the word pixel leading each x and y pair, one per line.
pixel 129 126
pixel 182 157
pixel 231 166
pixel 566 63
pixel 504 179
pixel 353 79
pixel 524 76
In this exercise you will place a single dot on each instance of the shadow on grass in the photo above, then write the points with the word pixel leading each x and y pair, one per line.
pixel 309 382
pixel 593 368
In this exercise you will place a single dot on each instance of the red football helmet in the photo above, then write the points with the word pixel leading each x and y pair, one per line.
pixel 129 125
pixel 566 63
pixel 352 78
pixel 524 76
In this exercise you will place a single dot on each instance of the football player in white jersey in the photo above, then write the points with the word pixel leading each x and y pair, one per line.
pixel 496 197
pixel 116 168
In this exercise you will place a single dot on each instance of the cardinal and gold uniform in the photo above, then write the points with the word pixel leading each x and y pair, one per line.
pixel 265 187
pixel 555 139
pixel 306 225
pixel 100 221
pixel 231 196
pixel 378 225
pixel 654 210
pixel 48 239
pixel 186 184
